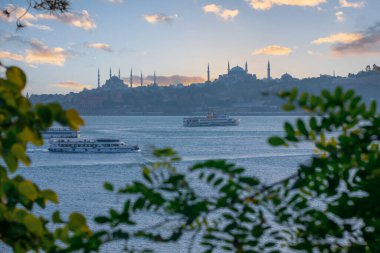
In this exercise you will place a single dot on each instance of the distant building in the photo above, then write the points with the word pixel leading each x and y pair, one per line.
pixel 208 73
pixel 286 77
pixel 235 75
pixel 114 82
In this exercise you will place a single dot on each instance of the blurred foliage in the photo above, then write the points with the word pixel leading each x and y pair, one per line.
pixel 21 124
pixel 331 204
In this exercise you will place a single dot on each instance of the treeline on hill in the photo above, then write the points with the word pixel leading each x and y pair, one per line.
pixel 244 98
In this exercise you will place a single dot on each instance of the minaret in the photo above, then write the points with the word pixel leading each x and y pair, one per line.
pixel 131 79
pixel 119 74
pixel 110 73
pixel 98 78
pixel 154 79
pixel 246 66
pixel 268 72
pixel 141 80
pixel 208 73
pixel 228 68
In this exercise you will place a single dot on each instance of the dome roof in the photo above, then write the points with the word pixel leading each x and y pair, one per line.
pixel 286 76
pixel 237 69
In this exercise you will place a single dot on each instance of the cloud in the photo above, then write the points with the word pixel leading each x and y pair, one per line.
pixel 367 43
pixel 42 54
pixel 346 4
pixel 37 54
pixel 101 46
pixel 159 18
pixel 24 16
pixel 267 4
pixel 343 38
pixel 72 85
pixel 224 14
pixel 81 20
pixel 11 56
pixel 339 16
pixel 273 50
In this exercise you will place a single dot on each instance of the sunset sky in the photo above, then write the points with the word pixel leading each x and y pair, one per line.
pixel 62 53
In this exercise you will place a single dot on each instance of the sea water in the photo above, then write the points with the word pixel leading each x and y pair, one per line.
pixel 78 178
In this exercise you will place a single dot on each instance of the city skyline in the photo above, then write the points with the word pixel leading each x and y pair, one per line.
pixel 62 53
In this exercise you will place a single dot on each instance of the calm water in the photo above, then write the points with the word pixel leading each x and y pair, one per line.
pixel 78 178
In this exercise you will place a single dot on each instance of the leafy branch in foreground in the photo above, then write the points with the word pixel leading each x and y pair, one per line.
pixel 330 205
pixel 52 6
pixel 20 125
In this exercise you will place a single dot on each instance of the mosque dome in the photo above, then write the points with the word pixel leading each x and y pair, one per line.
pixel 286 76
pixel 237 69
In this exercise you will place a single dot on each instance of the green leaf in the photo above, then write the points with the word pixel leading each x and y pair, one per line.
pixel 11 161
pixel 74 120
pixel 372 109
pixel 76 221
pixel 19 150
pixel 303 98
pixel 249 180
pixel 16 76
pixel 56 217
pixel 210 177
pixel 338 93
pixel 164 152
pixel 288 107
pixel 44 114
pixel 108 186
pixel 313 123
pixel 101 219
pixel 276 141
pixel 146 175
pixel 33 224
pixel 293 94
pixel 349 94
pixel 289 129
pixel 27 189
pixel 50 195
pixel 302 127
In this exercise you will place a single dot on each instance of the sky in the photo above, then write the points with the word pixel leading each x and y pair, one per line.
pixel 177 39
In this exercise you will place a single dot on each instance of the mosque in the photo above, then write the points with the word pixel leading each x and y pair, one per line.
pixel 115 82
pixel 236 74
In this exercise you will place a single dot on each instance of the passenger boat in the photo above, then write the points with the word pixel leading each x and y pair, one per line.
pixel 91 146
pixel 212 119
pixel 60 132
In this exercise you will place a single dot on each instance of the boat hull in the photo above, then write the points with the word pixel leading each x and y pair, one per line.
pixel 200 123
pixel 52 136
pixel 94 150
pixel 60 132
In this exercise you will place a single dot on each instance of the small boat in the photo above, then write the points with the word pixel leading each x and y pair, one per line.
pixel 60 132
pixel 91 146
pixel 212 119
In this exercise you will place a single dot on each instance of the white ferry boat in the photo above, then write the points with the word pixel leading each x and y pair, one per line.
pixel 212 119
pixel 91 146
pixel 60 132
